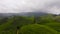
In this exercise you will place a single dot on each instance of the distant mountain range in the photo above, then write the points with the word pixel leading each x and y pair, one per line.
pixel 23 14
pixel 34 14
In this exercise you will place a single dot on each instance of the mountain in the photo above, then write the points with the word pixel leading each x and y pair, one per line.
pixel 23 14
pixel 36 13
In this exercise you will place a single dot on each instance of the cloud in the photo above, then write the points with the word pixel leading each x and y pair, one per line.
pixel 53 7
pixel 16 6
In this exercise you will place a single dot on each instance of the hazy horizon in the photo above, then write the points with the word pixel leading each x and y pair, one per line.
pixel 18 6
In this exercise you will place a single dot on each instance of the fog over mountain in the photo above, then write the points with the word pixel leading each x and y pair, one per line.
pixel 29 14
pixel 18 6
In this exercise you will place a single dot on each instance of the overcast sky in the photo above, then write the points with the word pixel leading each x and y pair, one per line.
pixel 16 6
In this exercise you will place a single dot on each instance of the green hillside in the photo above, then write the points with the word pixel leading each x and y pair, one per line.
pixel 47 24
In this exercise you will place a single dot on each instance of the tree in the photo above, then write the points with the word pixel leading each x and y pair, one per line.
pixel 45 19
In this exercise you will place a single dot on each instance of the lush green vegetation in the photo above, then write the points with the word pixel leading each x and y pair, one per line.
pixel 48 24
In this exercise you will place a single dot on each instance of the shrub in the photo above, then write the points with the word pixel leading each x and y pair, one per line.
pixel 36 29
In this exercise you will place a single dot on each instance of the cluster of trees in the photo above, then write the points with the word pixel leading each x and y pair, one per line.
pixel 47 24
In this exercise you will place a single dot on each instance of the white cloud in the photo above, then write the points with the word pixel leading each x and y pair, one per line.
pixel 16 6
